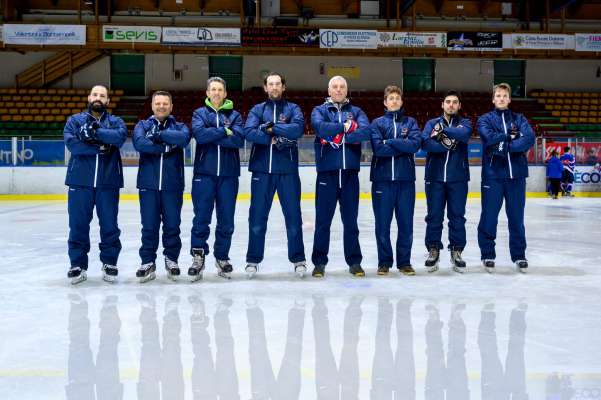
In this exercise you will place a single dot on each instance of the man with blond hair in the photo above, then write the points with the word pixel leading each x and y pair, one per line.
pixel 506 138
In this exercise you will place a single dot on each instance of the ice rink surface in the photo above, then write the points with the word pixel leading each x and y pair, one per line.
pixel 471 336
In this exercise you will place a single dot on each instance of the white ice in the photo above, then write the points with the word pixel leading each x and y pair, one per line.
pixel 476 336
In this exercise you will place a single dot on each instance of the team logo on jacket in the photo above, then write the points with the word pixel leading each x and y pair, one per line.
pixel 282 118
pixel 349 117
pixel 226 122
pixel 405 131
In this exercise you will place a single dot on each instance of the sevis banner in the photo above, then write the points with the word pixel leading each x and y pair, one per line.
pixel 129 34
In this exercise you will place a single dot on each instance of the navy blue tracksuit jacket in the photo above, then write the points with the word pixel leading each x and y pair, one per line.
pixel 94 177
pixel 219 136
pixel 274 168
pixel 446 177
pixel 504 173
pixel 395 138
pixel 337 177
pixel 160 185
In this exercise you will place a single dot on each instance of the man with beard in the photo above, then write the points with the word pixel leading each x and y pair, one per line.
pixel 160 140
pixel 217 128
pixel 273 127
pixel 506 138
pixel 339 128
pixel 447 174
pixel 94 177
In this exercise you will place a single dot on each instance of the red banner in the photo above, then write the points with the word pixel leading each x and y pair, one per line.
pixel 588 153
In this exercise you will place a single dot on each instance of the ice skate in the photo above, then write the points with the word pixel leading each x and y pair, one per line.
pixel 432 260
pixel 146 272
pixel 172 269
pixel 224 269
pixel 77 275
pixel 109 273
pixel 198 265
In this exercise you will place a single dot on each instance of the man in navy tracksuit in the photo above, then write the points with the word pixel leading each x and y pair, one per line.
pixel 339 129
pixel 218 131
pixel 274 127
pixel 160 140
pixel 506 137
pixel 447 174
pixel 94 177
pixel 395 138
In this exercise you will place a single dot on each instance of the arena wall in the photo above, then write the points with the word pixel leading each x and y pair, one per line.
pixel 50 180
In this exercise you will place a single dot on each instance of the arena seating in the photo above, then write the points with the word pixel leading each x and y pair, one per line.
pixel 42 112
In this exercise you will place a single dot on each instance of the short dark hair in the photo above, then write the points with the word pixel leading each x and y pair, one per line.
pixel 282 78
pixel 566 149
pixel 452 93
pixel 554 153
pixel 162 93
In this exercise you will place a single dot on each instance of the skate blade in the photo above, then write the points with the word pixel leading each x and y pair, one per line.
pixel 489 269
pixel 172 277
pixel 109 278
pixel 224 275
pixel 250 274
pixel 148 277
pixel 196 278
pixel 382 273
pixel 300 272
pixel 81 278
pixel 459 270
pixel 433 268
pixel 522 270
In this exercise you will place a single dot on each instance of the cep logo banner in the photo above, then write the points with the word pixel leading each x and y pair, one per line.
pixel 135 34
pixel 226 37
pixel 347 39
pixel 45 34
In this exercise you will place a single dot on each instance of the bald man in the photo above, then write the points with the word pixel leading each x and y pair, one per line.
pixel 94 177
pixel 340 128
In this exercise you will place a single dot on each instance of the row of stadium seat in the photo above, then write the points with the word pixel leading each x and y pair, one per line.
pixel 544 94
pixel 53 91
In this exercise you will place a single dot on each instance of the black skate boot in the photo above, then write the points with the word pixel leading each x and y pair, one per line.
pixel 77 275
pixel 319 271
pixel 457 262
pixel 433 259
pixel 489 265
pixel 522 266
pixel 146 272
pixel 109 273
pixel 356 270
pixel 172 269
pixel 224 268
pixel 198 264
pixel 300 268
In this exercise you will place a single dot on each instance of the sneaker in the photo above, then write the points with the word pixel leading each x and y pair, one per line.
pixel 433 259
pixel 77 275
pixel 489 265
pixel 172 269
pixel 356 270
pixel 109 273
pixel 457 262
pixel 522 266
pixel 251 269
pixel 407 270
pixel 146 272
pixel 300 268
pixel 198 264
pixel 383 270
pixel 319 271
pixel 224 268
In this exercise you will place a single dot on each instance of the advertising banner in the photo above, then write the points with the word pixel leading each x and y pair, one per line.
pixel 347 39
pixel 276 37
pixel 227 37
pixel 135 34
pixel 542 41
pixel 588 41
pixel 474 41
pixel 45 34
pixel 412 39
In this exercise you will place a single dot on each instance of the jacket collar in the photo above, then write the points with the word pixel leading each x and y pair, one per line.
pixel 170 119
pixel 398 114
pixel 338 106
pixel 227 105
